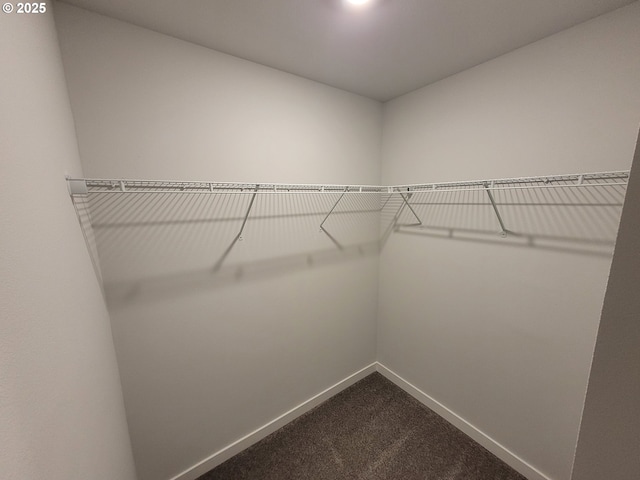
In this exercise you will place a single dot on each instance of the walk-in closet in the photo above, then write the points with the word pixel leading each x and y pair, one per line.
pixel 330 239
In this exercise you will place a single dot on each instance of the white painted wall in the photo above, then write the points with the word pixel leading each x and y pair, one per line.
pixel 503 335
pixel 61 408
pixel 146 104
pixel 206 359
pixel 608 445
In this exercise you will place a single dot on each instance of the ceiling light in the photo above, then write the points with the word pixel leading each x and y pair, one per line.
pixel 357 2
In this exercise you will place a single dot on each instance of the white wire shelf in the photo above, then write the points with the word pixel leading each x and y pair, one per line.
pixel 83 186
pixel 580 180
pixel 124 203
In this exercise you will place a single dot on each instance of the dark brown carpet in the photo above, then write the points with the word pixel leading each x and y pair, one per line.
pixel 373 430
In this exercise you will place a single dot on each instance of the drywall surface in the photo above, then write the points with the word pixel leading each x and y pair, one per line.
pixel 608 445
pixel 502 331
pixel 61 407
pixel 148 104
pixel 210 350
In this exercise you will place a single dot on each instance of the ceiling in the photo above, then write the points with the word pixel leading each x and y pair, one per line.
pixel 381 50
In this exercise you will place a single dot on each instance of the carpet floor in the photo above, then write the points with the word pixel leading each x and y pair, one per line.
pixel 373 430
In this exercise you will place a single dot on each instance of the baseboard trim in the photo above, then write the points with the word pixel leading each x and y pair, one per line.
pixel 212 461
pixel 463 425
pixel 499 450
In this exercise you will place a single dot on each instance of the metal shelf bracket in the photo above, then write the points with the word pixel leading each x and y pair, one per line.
pixel 504 231
pixel 322 229
pixel 407 204
pixel 238 237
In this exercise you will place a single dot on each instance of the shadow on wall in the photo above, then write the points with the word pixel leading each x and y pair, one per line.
pixel 152 245
pixel 564 218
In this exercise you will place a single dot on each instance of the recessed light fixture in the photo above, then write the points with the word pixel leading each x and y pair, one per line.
pixel 357 2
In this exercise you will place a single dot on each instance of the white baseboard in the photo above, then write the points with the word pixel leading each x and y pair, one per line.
pixel 476 434
pixel 460 423
pixel 229 451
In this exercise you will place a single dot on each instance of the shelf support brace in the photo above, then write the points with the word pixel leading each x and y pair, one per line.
pixel 495 209
pixel 322 229
pixel 406 202
pixel 238 237
pixel 394 222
